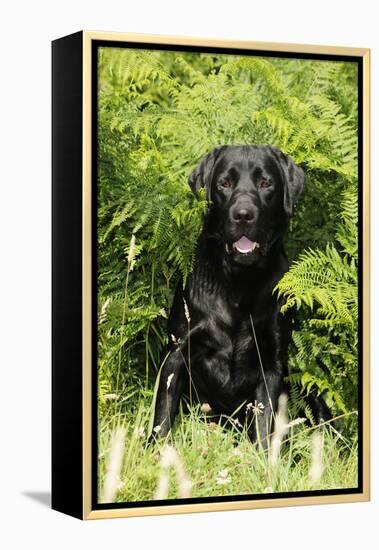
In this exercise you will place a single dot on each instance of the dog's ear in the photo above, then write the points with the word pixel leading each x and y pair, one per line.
pixel 293 180
pixel 201 176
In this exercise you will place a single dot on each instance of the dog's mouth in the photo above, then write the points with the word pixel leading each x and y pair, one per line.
pixel 243 246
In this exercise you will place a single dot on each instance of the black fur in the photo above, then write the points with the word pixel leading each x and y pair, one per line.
pixel 252 192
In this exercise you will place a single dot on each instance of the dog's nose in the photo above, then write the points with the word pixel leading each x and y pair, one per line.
pixel 243 213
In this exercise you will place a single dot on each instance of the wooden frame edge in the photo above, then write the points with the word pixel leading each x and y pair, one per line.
pixel 366 99
pixel 224 506
pixel 364 496
pixel 220 43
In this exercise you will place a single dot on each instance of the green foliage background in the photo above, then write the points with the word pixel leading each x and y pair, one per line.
pixel 159 113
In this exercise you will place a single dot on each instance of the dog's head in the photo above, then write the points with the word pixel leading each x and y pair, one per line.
pixel 252 192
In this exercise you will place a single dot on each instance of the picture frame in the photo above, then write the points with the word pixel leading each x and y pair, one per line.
pixel 75 292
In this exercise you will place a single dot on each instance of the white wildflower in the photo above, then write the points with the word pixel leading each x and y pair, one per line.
pixel 157 429
pixel 205 408
pixel 139 432
pixel 256 408
pixel 223 477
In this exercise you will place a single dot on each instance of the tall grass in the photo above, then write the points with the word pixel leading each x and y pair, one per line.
pixel 218 461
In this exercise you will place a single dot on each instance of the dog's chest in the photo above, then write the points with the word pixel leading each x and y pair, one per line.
pixel 229 374
pixel 239 347
pixel 246 341
pixel 242 341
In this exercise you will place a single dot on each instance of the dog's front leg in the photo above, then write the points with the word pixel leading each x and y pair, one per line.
pixel 170 389
pixel 266 406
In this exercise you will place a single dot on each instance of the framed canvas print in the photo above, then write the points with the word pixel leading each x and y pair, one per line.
pixel 210 275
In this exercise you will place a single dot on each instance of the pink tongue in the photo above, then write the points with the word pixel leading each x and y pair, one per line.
pixel 244 245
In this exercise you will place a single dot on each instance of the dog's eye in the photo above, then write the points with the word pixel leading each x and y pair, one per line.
pixel 227 184
pixel 264 184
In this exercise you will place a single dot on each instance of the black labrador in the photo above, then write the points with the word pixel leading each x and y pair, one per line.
pixel 228 340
